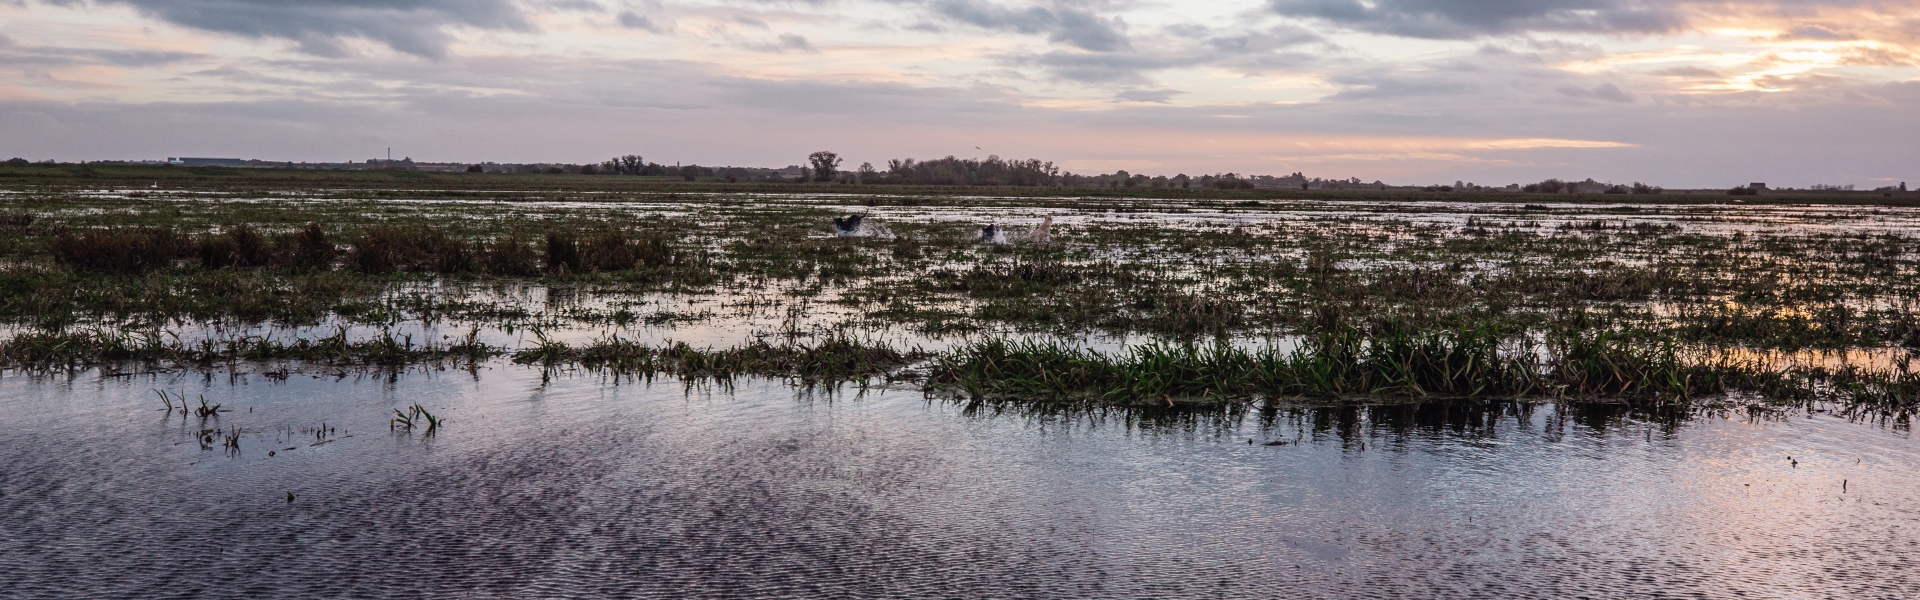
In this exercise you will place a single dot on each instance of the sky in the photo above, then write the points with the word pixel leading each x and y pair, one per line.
pixel 1676 93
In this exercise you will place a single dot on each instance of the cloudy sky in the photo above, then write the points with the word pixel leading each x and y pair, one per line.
pixel 1673 92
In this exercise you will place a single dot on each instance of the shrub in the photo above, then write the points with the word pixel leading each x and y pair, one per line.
pixel 117 250
pixel 238 247
pixel 311 249
pixel 388 249
pixel 510 256
pixel 606 251
pixel 563 252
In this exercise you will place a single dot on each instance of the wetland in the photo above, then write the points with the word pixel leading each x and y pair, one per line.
pixel 248 384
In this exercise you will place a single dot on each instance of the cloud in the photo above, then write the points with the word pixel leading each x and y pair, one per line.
pixel 1815 32
pixel 416 27
pixel 1532 143
pixel 1396 88
pixel 1463 19
pixel 1148 96
pixel 1605 91
pixel 1252 42
pixel 16 54
pixel 1073 26
pixel 633 20
pixel 787 42
pixel 1689 71
pixel 1184 46
pixel 1103 67
pixel 1869 56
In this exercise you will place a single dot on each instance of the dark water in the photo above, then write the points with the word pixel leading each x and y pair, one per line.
pixel 583 488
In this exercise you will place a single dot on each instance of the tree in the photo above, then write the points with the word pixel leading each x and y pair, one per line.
pixel 630 164
pixel 824 165
pixel 475 169
pixel 689 172
pixel 867 173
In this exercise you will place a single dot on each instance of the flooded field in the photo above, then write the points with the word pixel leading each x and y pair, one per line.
pixel 590 487
pixel 310 391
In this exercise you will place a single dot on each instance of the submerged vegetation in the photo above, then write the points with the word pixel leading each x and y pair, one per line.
pixel 1236 294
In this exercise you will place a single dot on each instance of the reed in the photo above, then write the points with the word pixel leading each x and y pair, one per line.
pixel 832 360
pixel 41 351
pixel 1476 364
pixel 414 416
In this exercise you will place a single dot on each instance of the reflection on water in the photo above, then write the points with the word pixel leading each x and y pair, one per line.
pixel 595 487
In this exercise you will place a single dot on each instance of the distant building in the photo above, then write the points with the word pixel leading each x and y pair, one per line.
pixel 207 162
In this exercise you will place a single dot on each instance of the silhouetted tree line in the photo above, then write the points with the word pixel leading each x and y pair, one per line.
pixel 1555 186
pixel 963 171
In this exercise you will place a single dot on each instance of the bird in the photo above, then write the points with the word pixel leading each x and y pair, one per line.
pixel 848 225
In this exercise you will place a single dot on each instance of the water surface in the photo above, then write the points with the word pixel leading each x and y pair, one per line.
pixel 589 487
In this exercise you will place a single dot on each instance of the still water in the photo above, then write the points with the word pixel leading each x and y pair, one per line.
pixel 589 487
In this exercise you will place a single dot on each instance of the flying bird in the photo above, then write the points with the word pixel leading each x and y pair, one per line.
pixel 847 226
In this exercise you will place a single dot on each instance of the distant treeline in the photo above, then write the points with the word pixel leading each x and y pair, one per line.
pixel 824 167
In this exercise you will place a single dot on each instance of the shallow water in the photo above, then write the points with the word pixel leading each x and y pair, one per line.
pixel 588 487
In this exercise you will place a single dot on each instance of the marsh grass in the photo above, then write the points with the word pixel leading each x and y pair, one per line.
pixel 833 360
pixel 45 351
pixel 1472 364
pixel 414 416
pixel 124 250
pixel 1635 298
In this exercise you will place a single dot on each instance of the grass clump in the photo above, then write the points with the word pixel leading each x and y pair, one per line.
pixel 120 250
pixel 569 253
pixel 833 360
pixel 1345 364
pixel 45 351
pixel 1335 365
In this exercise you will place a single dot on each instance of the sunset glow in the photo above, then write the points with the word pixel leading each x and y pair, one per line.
pixel 1608 89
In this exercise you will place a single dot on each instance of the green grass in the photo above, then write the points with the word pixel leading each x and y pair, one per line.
pixel 45 351
pixel 829 361
pixel 1475 364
